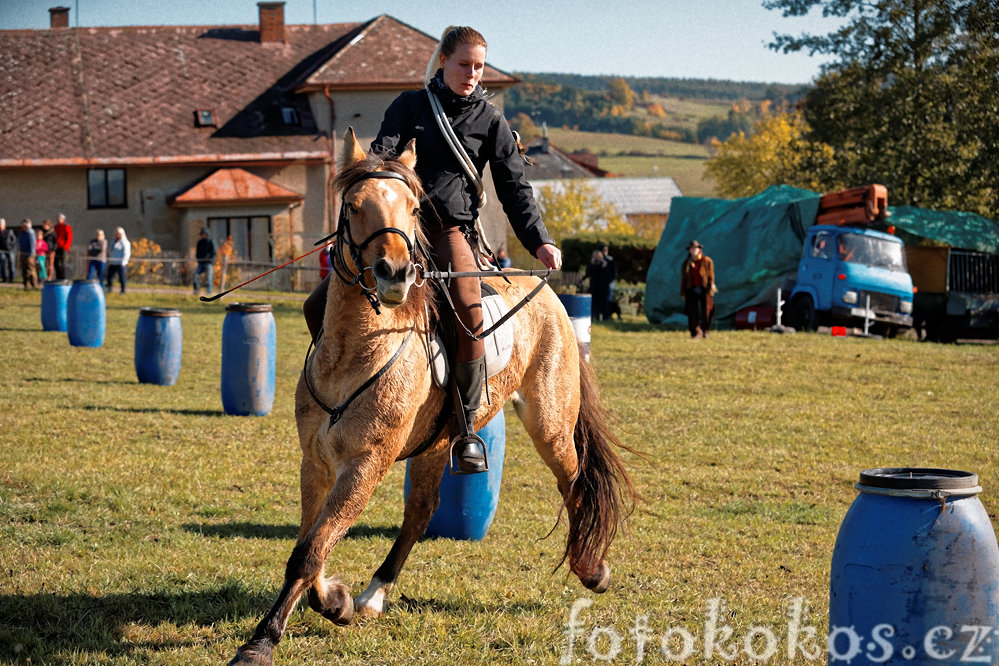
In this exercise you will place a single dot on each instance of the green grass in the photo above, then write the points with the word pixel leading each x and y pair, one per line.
pixel 139 524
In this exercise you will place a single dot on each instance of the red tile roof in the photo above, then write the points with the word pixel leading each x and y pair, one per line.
pixel 128 95
pixel 227 186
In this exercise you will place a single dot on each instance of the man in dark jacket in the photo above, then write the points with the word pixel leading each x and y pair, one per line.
pixel 8 243
pixel 204 253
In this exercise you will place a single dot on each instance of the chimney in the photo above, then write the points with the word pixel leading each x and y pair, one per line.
pixel 271 22
pixel 544 138
pixel 59 17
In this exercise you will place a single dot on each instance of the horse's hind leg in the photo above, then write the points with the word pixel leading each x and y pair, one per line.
pixel 424 496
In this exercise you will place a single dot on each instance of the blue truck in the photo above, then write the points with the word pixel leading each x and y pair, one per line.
pixel 850 275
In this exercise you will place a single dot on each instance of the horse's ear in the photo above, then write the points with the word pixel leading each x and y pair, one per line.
pixel 408 156
pixel 351 151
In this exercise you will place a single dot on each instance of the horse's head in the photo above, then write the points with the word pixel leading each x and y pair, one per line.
pixel 379 218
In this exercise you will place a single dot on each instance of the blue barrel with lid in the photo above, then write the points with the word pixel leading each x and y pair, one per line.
pixel 159 342
pixel 915 572
pixel 85 316
pixel 249 351
pixel 469 501
pixel 55 295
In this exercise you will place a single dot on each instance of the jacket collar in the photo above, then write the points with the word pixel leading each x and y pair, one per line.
pixel 449 99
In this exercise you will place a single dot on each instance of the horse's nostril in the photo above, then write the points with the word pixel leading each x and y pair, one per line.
pixel 382 270
pixel 387 272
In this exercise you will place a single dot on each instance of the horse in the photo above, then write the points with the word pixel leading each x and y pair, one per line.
pixel 387 405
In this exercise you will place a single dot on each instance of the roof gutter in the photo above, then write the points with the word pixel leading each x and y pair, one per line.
pixel 314 157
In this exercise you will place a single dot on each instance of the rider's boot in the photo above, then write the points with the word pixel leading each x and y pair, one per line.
pixel 467 448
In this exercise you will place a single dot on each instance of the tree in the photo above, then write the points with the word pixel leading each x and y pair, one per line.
pixel 573 205
pixel 620 93
pixel 523 124
pixel 911 101
pixel 777 152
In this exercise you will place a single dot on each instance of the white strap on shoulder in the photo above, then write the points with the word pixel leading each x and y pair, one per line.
pixel 456 147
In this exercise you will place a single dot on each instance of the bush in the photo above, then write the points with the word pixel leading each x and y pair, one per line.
pixel 632 254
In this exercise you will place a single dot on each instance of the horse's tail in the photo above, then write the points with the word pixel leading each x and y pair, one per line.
pixel 601 495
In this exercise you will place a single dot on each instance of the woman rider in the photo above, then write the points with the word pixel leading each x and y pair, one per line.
pixel 451 206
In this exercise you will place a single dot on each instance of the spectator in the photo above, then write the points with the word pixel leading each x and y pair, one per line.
pixel 598 273
pixel 97 256
pixel 503 259
pixel 64 239
pixel 51 238
pixel 324 263
pixel 8 243
pixel 204 253
pixel 26 247
pixel 41 253
pixel 118 256
pixel 611 276
pixel 697 287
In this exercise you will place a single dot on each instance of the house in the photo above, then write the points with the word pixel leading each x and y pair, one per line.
pixel 166 130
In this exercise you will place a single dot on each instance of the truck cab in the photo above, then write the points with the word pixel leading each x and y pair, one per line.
pixel 849 274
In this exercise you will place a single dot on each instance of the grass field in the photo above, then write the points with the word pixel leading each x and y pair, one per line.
pixel 139 524
pixel 642 157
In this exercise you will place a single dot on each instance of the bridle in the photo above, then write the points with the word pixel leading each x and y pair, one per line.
pixel 344 239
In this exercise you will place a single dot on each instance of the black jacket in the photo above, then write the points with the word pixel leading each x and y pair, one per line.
pixel 486 137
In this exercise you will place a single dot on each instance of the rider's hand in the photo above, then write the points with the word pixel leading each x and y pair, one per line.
pixel 550 256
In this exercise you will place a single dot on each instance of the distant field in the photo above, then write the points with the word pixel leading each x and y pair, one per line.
pixel 642 157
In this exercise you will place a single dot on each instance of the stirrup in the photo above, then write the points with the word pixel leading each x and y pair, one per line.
pixel 461 438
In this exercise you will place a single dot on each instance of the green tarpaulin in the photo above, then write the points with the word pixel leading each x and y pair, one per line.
pixel 756 244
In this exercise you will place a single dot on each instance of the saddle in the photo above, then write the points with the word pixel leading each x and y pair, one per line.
pixel 499 344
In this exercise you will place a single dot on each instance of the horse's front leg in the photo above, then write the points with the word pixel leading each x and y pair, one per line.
pixel 351 492
pixel 424 496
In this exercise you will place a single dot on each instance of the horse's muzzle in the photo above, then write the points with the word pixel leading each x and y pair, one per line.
pixel 393 280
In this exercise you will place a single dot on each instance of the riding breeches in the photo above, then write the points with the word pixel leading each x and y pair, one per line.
pixel 451 249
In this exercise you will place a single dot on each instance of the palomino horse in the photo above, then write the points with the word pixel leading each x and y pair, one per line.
pixel 374 368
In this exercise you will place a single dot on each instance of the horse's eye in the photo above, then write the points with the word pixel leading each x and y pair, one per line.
pixel 416 212
pixel 352 209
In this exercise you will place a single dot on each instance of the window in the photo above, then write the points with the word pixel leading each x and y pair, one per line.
pixel 290 116
pixel 106 188
pixel 204 118
pixel 251 236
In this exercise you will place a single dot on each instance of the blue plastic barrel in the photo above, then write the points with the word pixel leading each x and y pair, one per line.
pixel 249 348
pixel 85 316
pixel 55 295
pixel 915 572
pixel 159 341
pixel 579 308
pixel 469 501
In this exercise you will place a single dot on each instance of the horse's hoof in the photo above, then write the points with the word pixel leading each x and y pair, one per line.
pixel 254 653
pixel 338 607
pixel 599 580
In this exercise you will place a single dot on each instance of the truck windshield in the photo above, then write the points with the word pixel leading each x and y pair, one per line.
pixel 871 251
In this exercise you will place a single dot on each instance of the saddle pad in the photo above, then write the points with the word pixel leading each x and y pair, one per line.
pixel 499 344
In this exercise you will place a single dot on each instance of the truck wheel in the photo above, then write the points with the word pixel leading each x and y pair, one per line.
pixel 803 313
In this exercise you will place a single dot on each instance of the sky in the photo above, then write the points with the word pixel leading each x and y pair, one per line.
pixel 709 39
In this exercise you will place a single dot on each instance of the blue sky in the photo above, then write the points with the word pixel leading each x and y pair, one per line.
pixel 717 39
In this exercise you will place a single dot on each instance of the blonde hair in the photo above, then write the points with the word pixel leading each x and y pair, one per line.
pixel 119 230
pixel 453 36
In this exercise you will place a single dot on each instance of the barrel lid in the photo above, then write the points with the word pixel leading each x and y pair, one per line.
pixel 86 281
pixel 248 307
pixel 58 283
pixel 159 312
pixel 913 481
